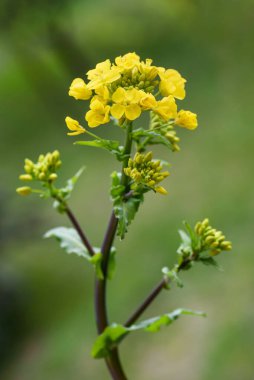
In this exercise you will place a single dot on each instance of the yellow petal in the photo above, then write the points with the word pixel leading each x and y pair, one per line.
pixel 119 95
pixel 132 111
pixel 117 111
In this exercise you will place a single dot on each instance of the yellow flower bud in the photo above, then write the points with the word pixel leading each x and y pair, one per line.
pixel 25 177
pixel 53 177
pixel 161 190
pixel 42 176
pixel 74 126
pixel 25 190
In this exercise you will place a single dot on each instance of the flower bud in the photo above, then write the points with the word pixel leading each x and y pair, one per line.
pixel 25 190
pixel 25 177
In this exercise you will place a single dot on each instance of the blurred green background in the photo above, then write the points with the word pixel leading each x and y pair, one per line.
pixel 46 304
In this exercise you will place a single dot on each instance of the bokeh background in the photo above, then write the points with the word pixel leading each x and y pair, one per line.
pixel 46 304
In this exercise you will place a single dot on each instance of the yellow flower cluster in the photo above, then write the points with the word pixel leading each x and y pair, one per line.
pixel 211 239
pixel 126 88
pixel 43 170
pixel 143 171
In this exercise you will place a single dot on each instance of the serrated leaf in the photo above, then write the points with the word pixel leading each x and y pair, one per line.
pixel 70 241
pixel 111 146
pixel 114 333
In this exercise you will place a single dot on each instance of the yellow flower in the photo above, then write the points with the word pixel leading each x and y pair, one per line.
pixel 166 108
pixel 74 126
pixel 127 103
pixel 186 119
pixel 172 83
pixel 102 94
pixel 98 114
pixel 128 61
pixel 148 101
pixel 79 90
pixel 149 71
pixel 103 74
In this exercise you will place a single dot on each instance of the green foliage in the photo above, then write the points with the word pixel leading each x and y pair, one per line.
pixel 125 207
pixel 71 243
pixel 111 146
pixel 172 275
pixel 63 194
pixel 144 137
pixel 114 333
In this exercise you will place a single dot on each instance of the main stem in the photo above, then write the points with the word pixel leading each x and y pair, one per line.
pixel 112 360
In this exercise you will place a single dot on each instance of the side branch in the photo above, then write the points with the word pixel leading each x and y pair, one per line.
pixel 144 305
pixel 154 293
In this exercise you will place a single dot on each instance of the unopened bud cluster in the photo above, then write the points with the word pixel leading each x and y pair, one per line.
pixel 166 129
pixel 43 170
pixel 211 239
pixel 146 172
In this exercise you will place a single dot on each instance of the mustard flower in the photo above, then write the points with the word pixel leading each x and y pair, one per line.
pixel 126 103
pixel 79 90
pixel 128 61
pixel 172 83
pixel 98 114
pixel 104 73
pixel 149 70
pixel 148 101
pixel 186 119
pixel 74 126
pixel 166 108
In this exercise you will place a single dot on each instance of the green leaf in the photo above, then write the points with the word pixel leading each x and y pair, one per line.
pixel 69 240
pixel 109 339
pixel 71 243
pixel 125 211
pixel 185 248
pixel 72 181
pixel 111 146
pixel 152 137
pixel 114 333
pixel 65 192
pixel 111 263
pixel 173 275
pixel 96 261
pixel 210 261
